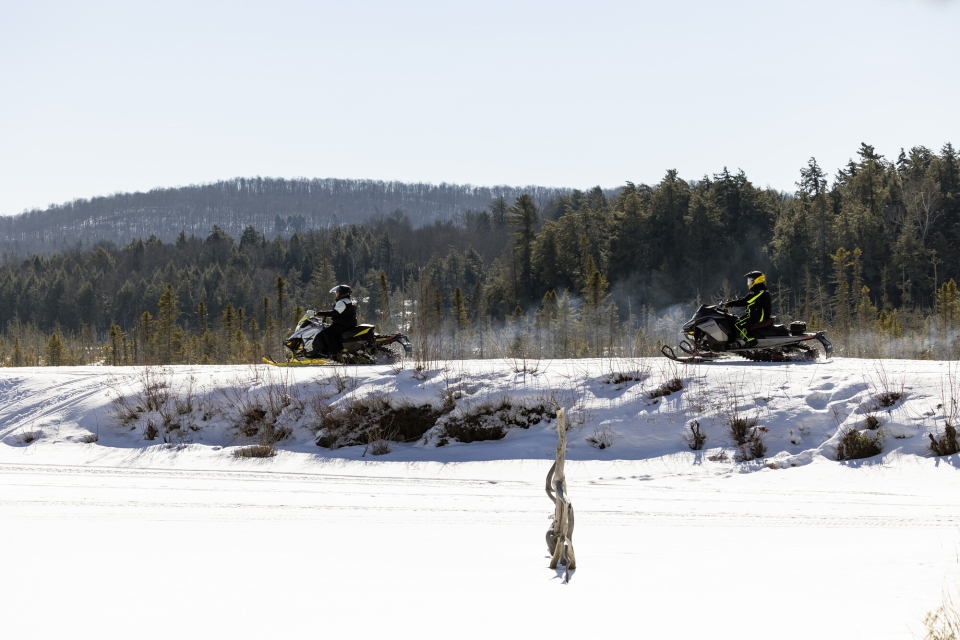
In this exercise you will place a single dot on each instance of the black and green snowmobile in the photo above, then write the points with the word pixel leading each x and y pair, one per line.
pixel 711 334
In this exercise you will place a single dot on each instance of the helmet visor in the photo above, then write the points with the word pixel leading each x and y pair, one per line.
pixel 750 282
pixel 336 289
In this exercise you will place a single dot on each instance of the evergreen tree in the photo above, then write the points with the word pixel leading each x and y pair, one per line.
pixel 166 324
pixel 498 211
pixel 523 215
pixel 281 287
pixel 147 338
pixel 115 349
pixel 208 348
pixel 256 347
pixel 841 299
pixel 268 327
pixel 383 303
pixel 948 306
pixel 566 320
pixel 226 341
pixel 240 346
pixel 594 296
pixel 546 317
pixel 202 317
pixel 54 352
pixel 17 359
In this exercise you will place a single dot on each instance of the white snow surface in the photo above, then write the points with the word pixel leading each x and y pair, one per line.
pixel 125 537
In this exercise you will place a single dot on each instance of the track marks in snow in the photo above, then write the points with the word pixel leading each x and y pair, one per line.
pixel 644 499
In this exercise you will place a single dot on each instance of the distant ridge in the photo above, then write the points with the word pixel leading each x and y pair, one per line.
pixel 272 205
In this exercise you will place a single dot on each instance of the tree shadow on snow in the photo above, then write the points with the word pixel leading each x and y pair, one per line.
pixel 952 460
pixel 562 573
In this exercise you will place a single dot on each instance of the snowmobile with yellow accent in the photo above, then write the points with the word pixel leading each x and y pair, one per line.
pixel 711 334
pixel 359 345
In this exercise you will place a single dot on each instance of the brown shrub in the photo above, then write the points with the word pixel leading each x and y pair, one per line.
pixel 696 437
pixel 946 444
pixel 373 418
pixel 491 421
pixel 855 445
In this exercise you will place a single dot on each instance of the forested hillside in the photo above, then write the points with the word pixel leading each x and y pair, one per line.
pixel 275 206
pixel 872 254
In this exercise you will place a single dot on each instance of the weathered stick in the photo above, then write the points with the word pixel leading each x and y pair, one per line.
pixel 560 534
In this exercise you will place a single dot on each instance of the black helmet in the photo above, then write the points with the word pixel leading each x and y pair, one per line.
pixel 342 290
pixel 754 278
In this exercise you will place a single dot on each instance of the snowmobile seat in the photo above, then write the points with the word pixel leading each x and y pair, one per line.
pixel 762 325
pixel 772 331
pixel 355 338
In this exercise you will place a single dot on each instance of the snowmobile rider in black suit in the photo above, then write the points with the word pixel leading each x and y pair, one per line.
pixel 759 311
pixel 343 318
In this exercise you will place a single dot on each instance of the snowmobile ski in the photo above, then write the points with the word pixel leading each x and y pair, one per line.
pixel 312 362
pixel 692 359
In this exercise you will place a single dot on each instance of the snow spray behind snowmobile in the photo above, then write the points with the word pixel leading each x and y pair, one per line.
pixel 711 334
pixel 360 345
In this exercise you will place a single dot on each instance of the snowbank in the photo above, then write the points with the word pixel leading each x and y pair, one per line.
pixel 109 534
pixel 200 416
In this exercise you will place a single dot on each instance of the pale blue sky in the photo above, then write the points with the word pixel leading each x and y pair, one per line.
pixel 102 97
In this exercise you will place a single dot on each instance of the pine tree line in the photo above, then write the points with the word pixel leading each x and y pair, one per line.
pixel 874 258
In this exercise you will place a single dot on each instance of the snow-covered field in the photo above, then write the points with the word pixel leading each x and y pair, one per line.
pixel 127 537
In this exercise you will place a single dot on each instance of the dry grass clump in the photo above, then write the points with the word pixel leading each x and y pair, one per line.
pixel 123 412
pixel 944 623
pixel 341 379
pixel 155 388
pixel 741 427
pixel 888 389
pixel 754 447
pixel 871 422
pixel 747 435
pixel 670 381
pixel 945 444
pixel 491 421
pixel 696 437
pixel 623 371
pixel 255 451
pixel 90 438
pixel 855 444
pixel 602 437
pixel 669 386
pixel 159 409
pixel 888 399
pixel 622 377
pixel 152 395
pixel 258 424
pixel 372 421
pixel 522 361
pixel 256 415
pixel 26 437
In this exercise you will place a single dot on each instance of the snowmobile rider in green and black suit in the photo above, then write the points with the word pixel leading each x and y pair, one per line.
pixel 759 311
pixel 343 318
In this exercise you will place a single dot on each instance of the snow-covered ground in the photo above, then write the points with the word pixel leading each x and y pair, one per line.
pixel 126 537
